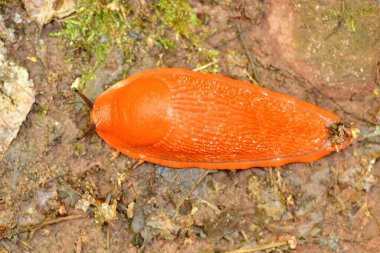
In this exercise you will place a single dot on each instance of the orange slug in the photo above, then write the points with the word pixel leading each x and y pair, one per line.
pixel 181 118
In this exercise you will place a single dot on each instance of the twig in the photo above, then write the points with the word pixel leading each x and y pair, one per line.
pixel 250 76
pixel 377 78
pixel 213 207
pixel 108 235
pixel 292 243
pixel 78 247
pixel 200 179
pixel 71 16
pixel 205 66
pixel 247 52
pixel 244 235
pixel 33 228
pixel 137 164
pixel 26 245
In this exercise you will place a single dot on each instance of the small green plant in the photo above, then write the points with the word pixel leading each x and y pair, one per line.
pixel 78 148
pixel 348 15
pixel 42 110
pixel 211 55
pixel 7 1
pixel 100 26
pixel 179 16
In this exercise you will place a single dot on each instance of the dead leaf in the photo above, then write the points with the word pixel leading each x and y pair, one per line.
pixel 43 11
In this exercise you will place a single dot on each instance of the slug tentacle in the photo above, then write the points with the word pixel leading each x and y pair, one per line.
pixel 89 104
pixel 91 129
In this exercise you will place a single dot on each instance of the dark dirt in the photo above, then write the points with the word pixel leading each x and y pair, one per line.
pixel 297 48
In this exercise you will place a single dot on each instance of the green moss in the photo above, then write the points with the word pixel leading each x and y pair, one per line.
pixel 78 148
pixel 7 1
pixel 210 56
pixel 98 28
pixel 93 32
pixel 42 110
pixel 179 16
pixel 348 15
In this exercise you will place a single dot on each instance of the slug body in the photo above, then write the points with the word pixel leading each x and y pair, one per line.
pixel 180 118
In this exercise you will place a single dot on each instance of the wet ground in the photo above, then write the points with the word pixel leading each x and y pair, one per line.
pixel 58 195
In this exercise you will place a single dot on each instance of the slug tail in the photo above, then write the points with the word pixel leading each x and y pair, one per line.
pixel 341 134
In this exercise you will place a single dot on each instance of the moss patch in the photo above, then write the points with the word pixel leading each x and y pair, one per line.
pixel 132 26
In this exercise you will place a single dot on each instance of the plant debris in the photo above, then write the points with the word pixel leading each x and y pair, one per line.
pixel 43 11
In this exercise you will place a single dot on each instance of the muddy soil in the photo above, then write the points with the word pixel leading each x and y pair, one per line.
pixel 60 191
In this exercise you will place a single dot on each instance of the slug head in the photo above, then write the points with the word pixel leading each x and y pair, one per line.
pixel 134 115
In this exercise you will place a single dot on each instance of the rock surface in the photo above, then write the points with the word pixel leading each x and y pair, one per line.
pixel 16 95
